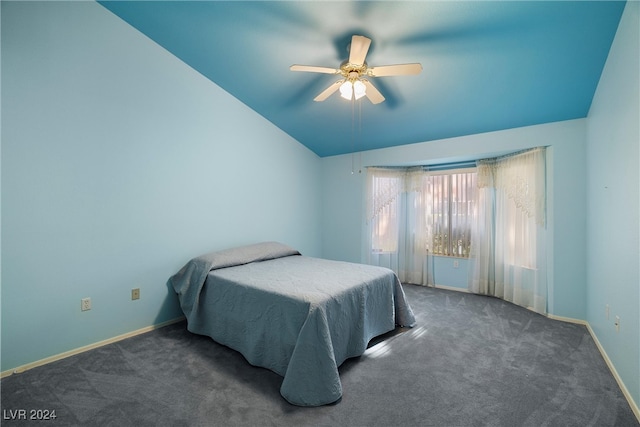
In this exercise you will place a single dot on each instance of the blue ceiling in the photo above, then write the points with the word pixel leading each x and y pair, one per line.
pixel 487 65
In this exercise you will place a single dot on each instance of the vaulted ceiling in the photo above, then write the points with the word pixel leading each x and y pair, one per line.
pixel 487 65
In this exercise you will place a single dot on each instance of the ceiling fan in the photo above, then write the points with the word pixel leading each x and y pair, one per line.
pixel 353 83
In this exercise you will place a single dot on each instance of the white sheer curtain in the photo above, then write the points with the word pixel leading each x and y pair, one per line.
pixel 508 238
pixel 415 232
pixel 397 233
pixel 384 189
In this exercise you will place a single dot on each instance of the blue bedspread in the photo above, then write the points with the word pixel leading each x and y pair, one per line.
pixel 301 317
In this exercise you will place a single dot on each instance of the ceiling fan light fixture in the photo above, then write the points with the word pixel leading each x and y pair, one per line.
pixel 346 90
pixel 359 89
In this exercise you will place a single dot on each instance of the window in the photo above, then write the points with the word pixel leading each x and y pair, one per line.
pixel 450 209
pixel 432 210
pixel 492 211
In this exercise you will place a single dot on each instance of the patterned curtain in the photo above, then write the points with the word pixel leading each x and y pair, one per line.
pixel 508 238
pixel 397 234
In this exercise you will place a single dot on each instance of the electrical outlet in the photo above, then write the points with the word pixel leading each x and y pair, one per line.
pixel 456 263
pixel 617 323
pixel 85 304
pixel 135 293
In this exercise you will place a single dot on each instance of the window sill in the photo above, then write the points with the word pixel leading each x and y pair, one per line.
pixel 450 256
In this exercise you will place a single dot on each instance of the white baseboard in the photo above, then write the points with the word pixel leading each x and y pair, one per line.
pixel 73 352
pixel 614 372
pixel 444 287
pixel 625 391
pixel 568 319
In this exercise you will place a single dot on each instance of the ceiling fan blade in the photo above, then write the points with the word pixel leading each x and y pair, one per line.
pixel 314 69
pixel 328 91
pixel 372 93
pixel 395 70
pixel 358 50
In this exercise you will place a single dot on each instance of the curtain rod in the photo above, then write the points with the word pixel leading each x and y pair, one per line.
pixel 437 167
pixel 458 165
pixel 516 153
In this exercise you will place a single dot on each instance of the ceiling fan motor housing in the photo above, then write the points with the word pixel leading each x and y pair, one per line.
pixel 351 71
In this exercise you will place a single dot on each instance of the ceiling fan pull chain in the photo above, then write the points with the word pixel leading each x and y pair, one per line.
pixel 353 143
pixel 360 137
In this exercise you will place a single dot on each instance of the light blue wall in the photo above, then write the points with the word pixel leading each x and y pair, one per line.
pixel 451 272
pixel 120 163
pixel 613 209
pixel 343 203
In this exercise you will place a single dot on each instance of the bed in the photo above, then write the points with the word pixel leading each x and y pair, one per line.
pixel 299 316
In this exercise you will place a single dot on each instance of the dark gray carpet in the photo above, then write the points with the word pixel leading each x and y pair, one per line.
pixel 470 361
